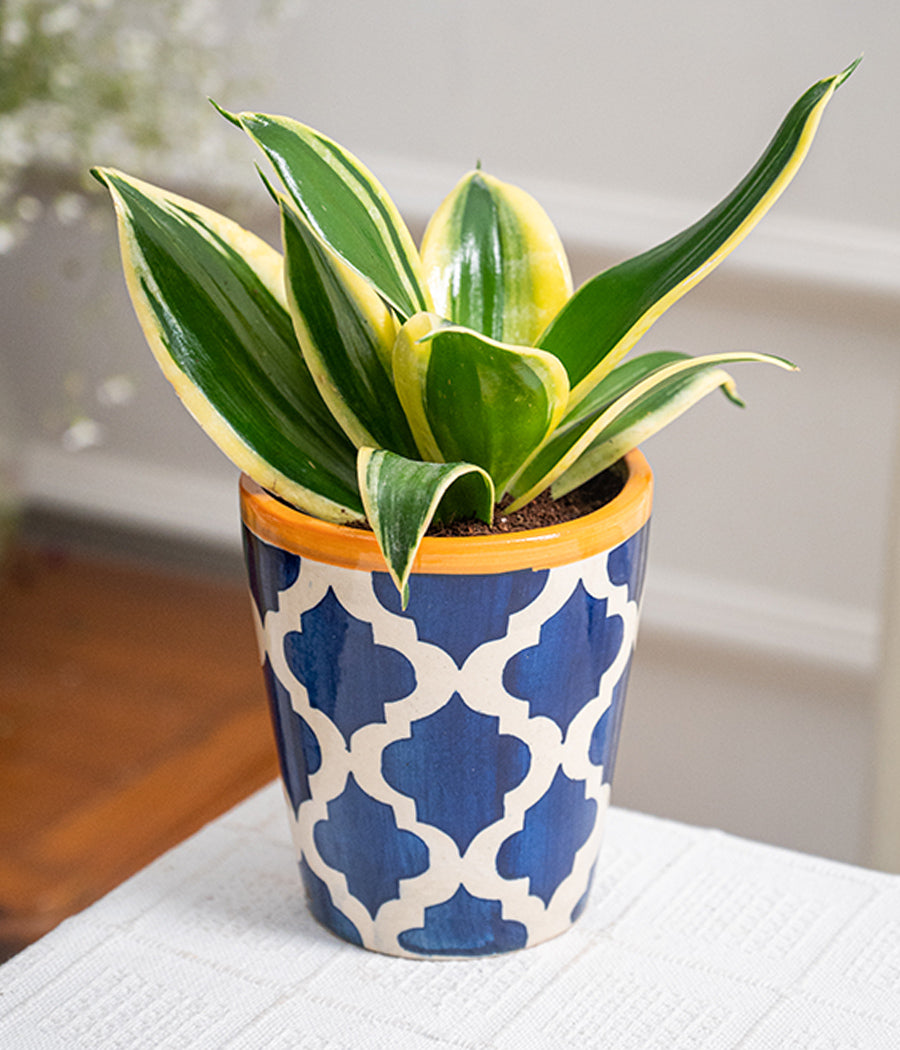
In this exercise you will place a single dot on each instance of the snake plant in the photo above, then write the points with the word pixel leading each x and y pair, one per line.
pixel 360 378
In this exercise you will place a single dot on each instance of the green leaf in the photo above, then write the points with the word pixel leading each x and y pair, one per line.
pixel 410 372
pixel 639 423
pixel 482 401
pixel 209 296
pixel 622 379
pixel 402 497
pixel 494 262
pixel 638 411
pixel 345 204
pixel 347 336
pixel 609 313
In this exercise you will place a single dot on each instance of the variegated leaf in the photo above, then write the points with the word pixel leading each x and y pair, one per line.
pixel 609 313
pixel 210 298
pixel 483 401
pixel 402 497
pixel 410 371
pixel 345 204
pixel 639 410
pixel 494 262
pixel 347 335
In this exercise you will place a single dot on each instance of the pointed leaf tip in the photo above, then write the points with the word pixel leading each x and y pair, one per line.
pixel 845 73
pixel 402 496
pixel 232 118
pixel 608 314
pixel 277 197
pixel 346 205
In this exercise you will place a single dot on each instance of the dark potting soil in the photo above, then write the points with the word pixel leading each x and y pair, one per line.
pixel 544 510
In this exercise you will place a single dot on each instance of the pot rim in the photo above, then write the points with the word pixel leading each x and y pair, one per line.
pixel 283 526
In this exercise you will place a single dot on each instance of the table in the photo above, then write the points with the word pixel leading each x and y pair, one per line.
pixel 693 938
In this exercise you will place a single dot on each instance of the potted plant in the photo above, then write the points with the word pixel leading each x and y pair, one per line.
pixel 446 706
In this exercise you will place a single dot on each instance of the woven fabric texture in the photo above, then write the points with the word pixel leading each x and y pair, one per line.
pixel 692 938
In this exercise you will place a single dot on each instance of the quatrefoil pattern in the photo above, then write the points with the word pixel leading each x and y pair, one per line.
pixel 447 766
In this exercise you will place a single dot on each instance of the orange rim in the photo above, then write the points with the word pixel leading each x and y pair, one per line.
pixel 282 526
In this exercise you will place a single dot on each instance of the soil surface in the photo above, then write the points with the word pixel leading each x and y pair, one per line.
pixel 544 511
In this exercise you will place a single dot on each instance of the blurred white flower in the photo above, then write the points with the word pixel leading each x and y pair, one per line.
pixel 61 19
pixel 120 82
pixel 84 433
pixel 15 146
pixel 69 207
pixel 116 390
pixel 29 209
pixel 136 49
pixel 15 32
pixel 65 76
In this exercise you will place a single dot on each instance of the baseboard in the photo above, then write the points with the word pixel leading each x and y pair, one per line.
pixel 114 489
pixel 780 624
pixel 190 506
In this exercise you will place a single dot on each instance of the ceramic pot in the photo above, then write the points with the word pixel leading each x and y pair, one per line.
pixel 447 767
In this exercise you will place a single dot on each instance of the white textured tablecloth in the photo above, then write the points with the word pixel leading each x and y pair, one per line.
pixel 692 938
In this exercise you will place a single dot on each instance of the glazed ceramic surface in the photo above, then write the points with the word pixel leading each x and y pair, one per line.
pixel 447 766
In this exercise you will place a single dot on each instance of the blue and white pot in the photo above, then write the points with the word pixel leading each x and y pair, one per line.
pixel 447 767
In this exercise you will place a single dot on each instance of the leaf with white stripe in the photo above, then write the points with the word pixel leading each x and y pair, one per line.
pixel 347 336
pixel 345 204
pixel 402 497
pixel 210 298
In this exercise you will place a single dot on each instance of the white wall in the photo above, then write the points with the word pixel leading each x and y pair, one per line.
pixel 646 98
pixel 628 121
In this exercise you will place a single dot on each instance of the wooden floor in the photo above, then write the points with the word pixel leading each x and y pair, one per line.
pixel 131 713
